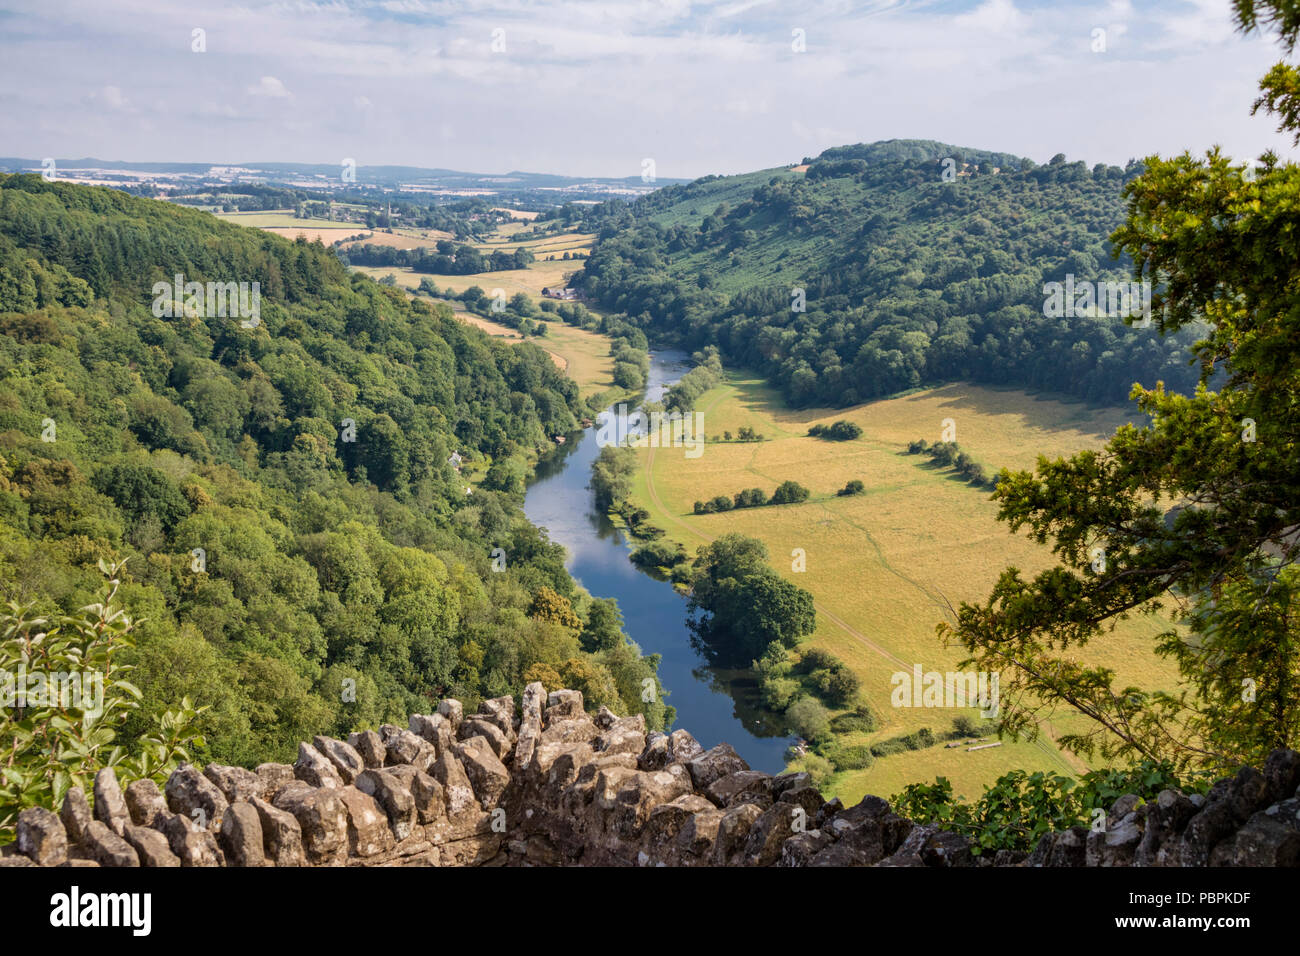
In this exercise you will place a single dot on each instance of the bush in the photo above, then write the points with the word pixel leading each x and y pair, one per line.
pixel 859 720
pixel 807 718
pixel 789 492
pixel 820 769
pixel 1020 807
pixel 839 431
pixel 964 726
pixel 658 554
pixel 854 487
pixel 853 757
pixel 61 739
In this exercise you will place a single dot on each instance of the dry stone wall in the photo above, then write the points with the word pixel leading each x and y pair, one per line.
pixel 554 786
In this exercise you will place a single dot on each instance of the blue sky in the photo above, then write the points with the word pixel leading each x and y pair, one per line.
pixel 589 88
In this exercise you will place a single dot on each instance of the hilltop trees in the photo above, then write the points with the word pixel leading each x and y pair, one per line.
pixel 1195 514
pixel 872 275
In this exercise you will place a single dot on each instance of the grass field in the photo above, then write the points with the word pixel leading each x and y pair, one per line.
pixel 884 567
pixel 530 281
pixel 283 220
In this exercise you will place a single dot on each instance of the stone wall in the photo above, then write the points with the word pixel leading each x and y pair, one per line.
pixel 554 786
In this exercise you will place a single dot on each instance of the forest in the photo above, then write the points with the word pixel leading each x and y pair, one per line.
pixel 887 267
pixel 446 259
pixel 303 553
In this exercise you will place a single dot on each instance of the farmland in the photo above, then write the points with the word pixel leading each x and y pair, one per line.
pixel 885 566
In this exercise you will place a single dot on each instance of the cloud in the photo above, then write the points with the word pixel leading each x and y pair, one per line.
pixel 702 85
pixel 271 87
pixel 112 98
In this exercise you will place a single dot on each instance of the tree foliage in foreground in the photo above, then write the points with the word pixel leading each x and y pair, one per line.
pixel 305 554
pixel 1196 514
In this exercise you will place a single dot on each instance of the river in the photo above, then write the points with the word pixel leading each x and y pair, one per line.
pixel 714 704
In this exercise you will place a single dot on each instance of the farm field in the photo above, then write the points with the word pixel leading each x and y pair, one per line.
pixel 885 566
pixel 404 239
pixel 530 281
pixel 283 219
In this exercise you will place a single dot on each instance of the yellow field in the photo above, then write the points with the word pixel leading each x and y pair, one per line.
pixel 401 239
pixel 530 281
pixel 884 567
pixel 283 219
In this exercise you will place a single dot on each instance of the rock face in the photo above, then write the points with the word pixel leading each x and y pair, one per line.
pixel 551 785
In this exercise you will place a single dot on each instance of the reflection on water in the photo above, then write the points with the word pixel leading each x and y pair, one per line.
pixel 714 704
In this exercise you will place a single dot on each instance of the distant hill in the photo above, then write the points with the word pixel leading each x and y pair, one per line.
pixel 327 175
pixel 919 262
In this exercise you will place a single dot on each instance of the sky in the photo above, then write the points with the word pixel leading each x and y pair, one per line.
pixel 595 89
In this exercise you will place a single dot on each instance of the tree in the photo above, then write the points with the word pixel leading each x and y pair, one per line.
pixel 1194 514
pixel 749 605
pixel 789 492
pixel 808 719
pixel 555 608
pixel 604 627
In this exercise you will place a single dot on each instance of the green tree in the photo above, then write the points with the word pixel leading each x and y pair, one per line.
pixel 1193 514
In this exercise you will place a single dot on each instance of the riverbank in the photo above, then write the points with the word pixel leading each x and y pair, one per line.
pixel 716 704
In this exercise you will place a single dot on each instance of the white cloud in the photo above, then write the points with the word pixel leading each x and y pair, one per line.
pixel 269 86
pixel 702 85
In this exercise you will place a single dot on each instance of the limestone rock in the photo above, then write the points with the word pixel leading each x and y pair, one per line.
pixel 194 845
pixel 736 787
pixel 712 765
pixel 404 747
pixel 487 774
pixel 110 805
pixel 235 783
pixel 501 712
pixel 368 830
pixel 196 798
pixel 343 756
pixel 323 819
pixel 240 837
pixel 75 814
pixel 281 835
pixel 452 711
pixel 314 768
pixel 486 730
pixel 41 837
pixel 107 848
pixel 150 846
pixel 145 803
pixel 274 777
pixel 563 704
pixel 393 794
pixel 733 832
pixel 371 748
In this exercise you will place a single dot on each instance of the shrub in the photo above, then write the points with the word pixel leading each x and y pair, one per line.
pixel 807 718
pixel 820 769
pixel 54 742
pixel 859 720
pixel 853 757
pixel 854 487
pixel 789 492
pixel 839 431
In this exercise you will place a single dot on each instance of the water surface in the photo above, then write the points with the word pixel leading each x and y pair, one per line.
pixel 714 704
